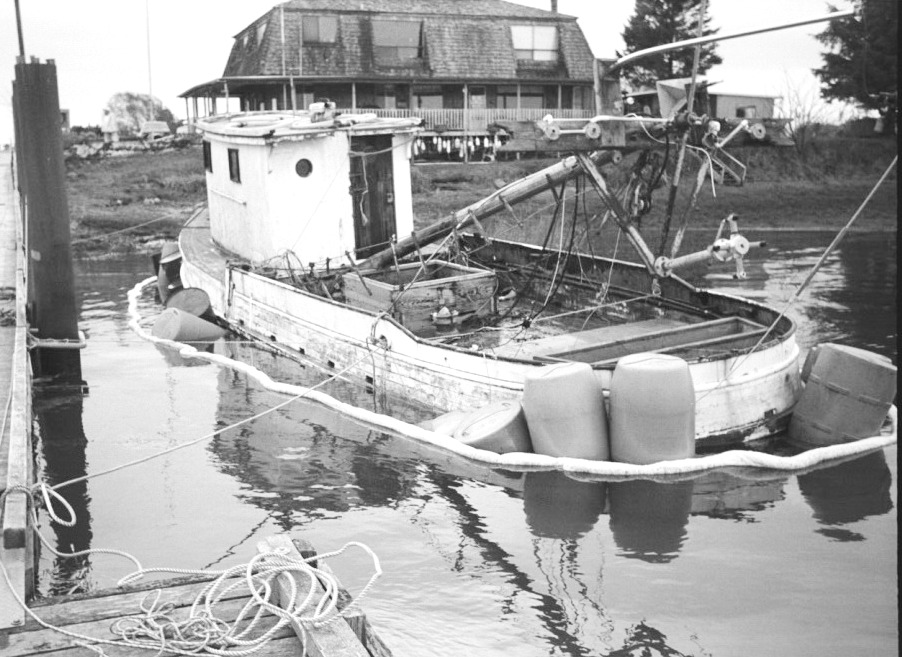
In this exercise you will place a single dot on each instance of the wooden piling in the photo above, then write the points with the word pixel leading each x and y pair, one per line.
pixel 42 181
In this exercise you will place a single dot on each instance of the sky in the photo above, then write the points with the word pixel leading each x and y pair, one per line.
pixel 101 46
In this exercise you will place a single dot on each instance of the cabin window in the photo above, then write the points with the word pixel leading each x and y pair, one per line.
pixel 208 157
pixel 319 29
pixel 535 42
pixel 394 40
pixel 234 168
pixel 303 168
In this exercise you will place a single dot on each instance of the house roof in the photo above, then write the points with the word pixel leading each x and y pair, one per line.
pixel 462 39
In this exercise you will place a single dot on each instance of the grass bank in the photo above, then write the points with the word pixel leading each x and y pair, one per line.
pixel 132 202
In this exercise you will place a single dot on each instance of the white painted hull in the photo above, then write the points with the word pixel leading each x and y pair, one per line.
pixel 737 399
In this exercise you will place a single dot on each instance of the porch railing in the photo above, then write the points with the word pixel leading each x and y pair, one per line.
pixel 472 121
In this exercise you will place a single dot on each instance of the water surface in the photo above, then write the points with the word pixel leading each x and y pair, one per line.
pixel 479 561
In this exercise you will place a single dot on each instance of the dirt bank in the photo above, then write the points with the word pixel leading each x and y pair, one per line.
pixel 130 203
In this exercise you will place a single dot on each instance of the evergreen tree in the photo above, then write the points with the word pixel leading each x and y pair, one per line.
pixel 861 65
pixel 656 22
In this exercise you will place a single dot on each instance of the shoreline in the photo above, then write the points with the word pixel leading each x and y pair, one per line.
pixel 145 198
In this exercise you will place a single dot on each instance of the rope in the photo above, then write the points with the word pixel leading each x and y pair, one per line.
pixel 129 228
pixel 203 631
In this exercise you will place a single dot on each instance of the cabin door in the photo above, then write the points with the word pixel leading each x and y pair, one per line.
pixel 372 193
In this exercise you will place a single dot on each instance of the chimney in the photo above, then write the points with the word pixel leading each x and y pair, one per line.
pixel 554 6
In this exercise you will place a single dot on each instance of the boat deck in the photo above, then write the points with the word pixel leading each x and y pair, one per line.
pixel 566 342
pixel 197 245
pixel 90 620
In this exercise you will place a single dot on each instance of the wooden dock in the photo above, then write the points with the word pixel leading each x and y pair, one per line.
pixel 78 619
pixel 16 545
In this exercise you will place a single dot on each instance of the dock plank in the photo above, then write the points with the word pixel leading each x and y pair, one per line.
pixel 112 603
pixel 44 640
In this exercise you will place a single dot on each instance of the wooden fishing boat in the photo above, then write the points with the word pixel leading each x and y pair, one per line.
pixel 298 248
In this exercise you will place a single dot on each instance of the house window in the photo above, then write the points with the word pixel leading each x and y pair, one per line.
pixel 535 42
pixel 319 29
pixel 394 40
pixel 747 112
pixel 234 169
pixel 208 158
pixel 261 30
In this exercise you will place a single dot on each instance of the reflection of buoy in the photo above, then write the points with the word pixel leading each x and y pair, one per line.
pixel 174 324
pixel 648 518
pixel 850 491
pixel 499 427
pixel 652 409
pixel 191 300
pixel 846 398
pixel 557 506
pixel 564 407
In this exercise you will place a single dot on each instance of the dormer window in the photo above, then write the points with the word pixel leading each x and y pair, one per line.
pixel 261 30
pixel 536 43
pixel 319 29
pixel 397 40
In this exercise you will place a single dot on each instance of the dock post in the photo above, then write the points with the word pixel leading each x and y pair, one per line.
pixel 42 179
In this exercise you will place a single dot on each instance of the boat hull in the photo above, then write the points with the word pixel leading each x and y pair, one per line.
pixel 738 398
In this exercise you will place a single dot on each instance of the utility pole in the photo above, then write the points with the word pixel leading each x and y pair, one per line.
pixel 149 76
pixel 19 30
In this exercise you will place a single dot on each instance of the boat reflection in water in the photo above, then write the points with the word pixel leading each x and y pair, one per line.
pixel 539 537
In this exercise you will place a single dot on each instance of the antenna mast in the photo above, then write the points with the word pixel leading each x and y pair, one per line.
pixel 149 77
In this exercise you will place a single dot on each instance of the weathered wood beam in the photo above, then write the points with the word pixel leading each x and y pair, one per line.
pixel 330 640
pixel 515 192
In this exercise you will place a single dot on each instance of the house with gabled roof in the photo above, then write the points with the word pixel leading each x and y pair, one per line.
pixel 458 64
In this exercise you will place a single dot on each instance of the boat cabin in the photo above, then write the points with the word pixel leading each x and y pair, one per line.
pixel 314 184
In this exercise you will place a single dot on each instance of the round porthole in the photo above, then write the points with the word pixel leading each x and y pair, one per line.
pixel 303 168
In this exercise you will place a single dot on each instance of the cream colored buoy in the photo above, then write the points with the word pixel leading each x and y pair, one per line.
pixel 499 427
pixel 652 409
pixel 173 324
pixel 847 396
pixel 564 409
pixel 191 300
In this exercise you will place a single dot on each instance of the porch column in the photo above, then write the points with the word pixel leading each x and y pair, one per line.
pixel 559 97
pixel 518 99
pixel 466 121
pixel 353 95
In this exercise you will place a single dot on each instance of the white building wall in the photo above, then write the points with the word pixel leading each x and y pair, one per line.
pixel 274 210
pixel 311 216
pixel 239 207
pixel 728 104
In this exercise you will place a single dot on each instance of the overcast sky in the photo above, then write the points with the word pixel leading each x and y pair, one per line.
pixel 101 46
